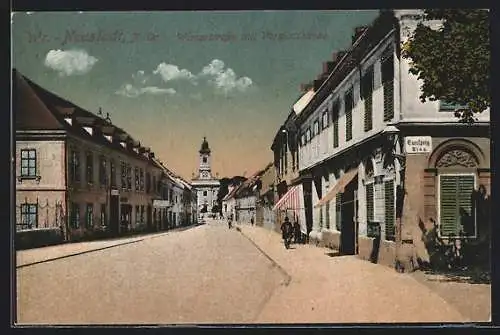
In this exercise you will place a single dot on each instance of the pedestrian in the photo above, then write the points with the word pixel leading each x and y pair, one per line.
pixel 296 232
pixel 251 220
pixel 286 230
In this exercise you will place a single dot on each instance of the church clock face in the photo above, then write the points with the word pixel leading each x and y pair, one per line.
pixel 204 174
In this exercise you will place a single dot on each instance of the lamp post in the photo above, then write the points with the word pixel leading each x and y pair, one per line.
pixel 393 137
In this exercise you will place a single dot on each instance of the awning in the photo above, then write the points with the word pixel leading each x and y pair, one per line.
pixel 345 179
pixel 288 201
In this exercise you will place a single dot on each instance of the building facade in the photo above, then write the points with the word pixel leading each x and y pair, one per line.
pixel 265 216
pixel 379 167
pixel 204 184
pixel 77 171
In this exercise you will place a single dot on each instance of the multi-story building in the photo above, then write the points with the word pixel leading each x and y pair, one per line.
pixel 264 214
pixel 78 171
pixel 246 198
pixel 289 190
pixel 204 184
pixel 379 166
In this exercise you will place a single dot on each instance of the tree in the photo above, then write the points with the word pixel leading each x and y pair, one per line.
pixel 454 60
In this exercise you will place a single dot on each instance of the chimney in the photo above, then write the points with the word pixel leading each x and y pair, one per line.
pixel 317 84
pixel 357 32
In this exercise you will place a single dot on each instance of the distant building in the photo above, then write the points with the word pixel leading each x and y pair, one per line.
pixel 204 184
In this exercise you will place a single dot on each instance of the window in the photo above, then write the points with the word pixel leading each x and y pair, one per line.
pixel 204 159
pixel 348 101
pixel 29 217
pixel 129 176
pixel 455 205
pixel 89 216
pixel 124 175
pixel 388 87
pixel 367 95
pixel 335 120
pixel 137 215
pixel 324 120
pixel 75 215
pixel 450 107
pixel 316 128
pixel 137 181
pixel 338 211
pixel 303 139
pixel 103 215
pixel 390 214
pixel 141 180
pixel 28 163
pixel 308 135
pixel 204 193
pixel 90 168
pixel 148 182
pixel 102 171
pixel 75 166
pixel 113 173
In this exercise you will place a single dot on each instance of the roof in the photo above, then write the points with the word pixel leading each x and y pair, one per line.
pixel 39 109
pixel 249 184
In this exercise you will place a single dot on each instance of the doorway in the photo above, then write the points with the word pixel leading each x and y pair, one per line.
pixel 114 225
pixel 348 236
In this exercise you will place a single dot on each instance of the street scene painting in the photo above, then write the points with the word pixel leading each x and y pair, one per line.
pixel 251 167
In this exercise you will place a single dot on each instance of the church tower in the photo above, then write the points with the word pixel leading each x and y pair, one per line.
pixel 204 183
pixel 205 171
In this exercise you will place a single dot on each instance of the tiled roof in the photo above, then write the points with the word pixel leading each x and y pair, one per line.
pixel 38 109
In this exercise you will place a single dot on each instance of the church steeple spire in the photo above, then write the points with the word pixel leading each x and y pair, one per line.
pixel 205 149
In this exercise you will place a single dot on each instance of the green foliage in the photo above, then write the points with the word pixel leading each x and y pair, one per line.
pixel 454 60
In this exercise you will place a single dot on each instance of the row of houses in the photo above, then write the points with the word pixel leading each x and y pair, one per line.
pixel 365 166
pixel 79 173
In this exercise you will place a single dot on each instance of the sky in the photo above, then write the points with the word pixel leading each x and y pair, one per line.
pixel 171 78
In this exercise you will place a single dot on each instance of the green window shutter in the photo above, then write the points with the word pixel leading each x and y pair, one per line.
pixel 389 210
pixel 338 214
pixel 335 118
pixel 388 87
pixel 348 115
pixel 369 203
pixel 367 93
pixel 368 112
pixel 455 193
pixel 388 100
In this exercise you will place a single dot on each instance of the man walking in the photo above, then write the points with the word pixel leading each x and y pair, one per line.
pixel 286 230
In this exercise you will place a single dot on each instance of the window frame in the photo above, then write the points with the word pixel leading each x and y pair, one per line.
pixel 348 109
pixel 28 160
pixel 89 167
pixel 25 214
pixel 89 215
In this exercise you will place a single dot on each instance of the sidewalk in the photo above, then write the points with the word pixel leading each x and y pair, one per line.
pixel 343 289
pixel 38 255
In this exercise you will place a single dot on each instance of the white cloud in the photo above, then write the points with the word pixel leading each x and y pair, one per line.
pixel 170 72
pixel 140 77
pixel 70 62
pixel 225 79
pixel 130 91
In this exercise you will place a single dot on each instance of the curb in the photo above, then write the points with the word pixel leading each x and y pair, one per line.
pixel 77 253
pixel 283 271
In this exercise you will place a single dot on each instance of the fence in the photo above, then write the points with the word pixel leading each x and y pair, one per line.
pixel 39 215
